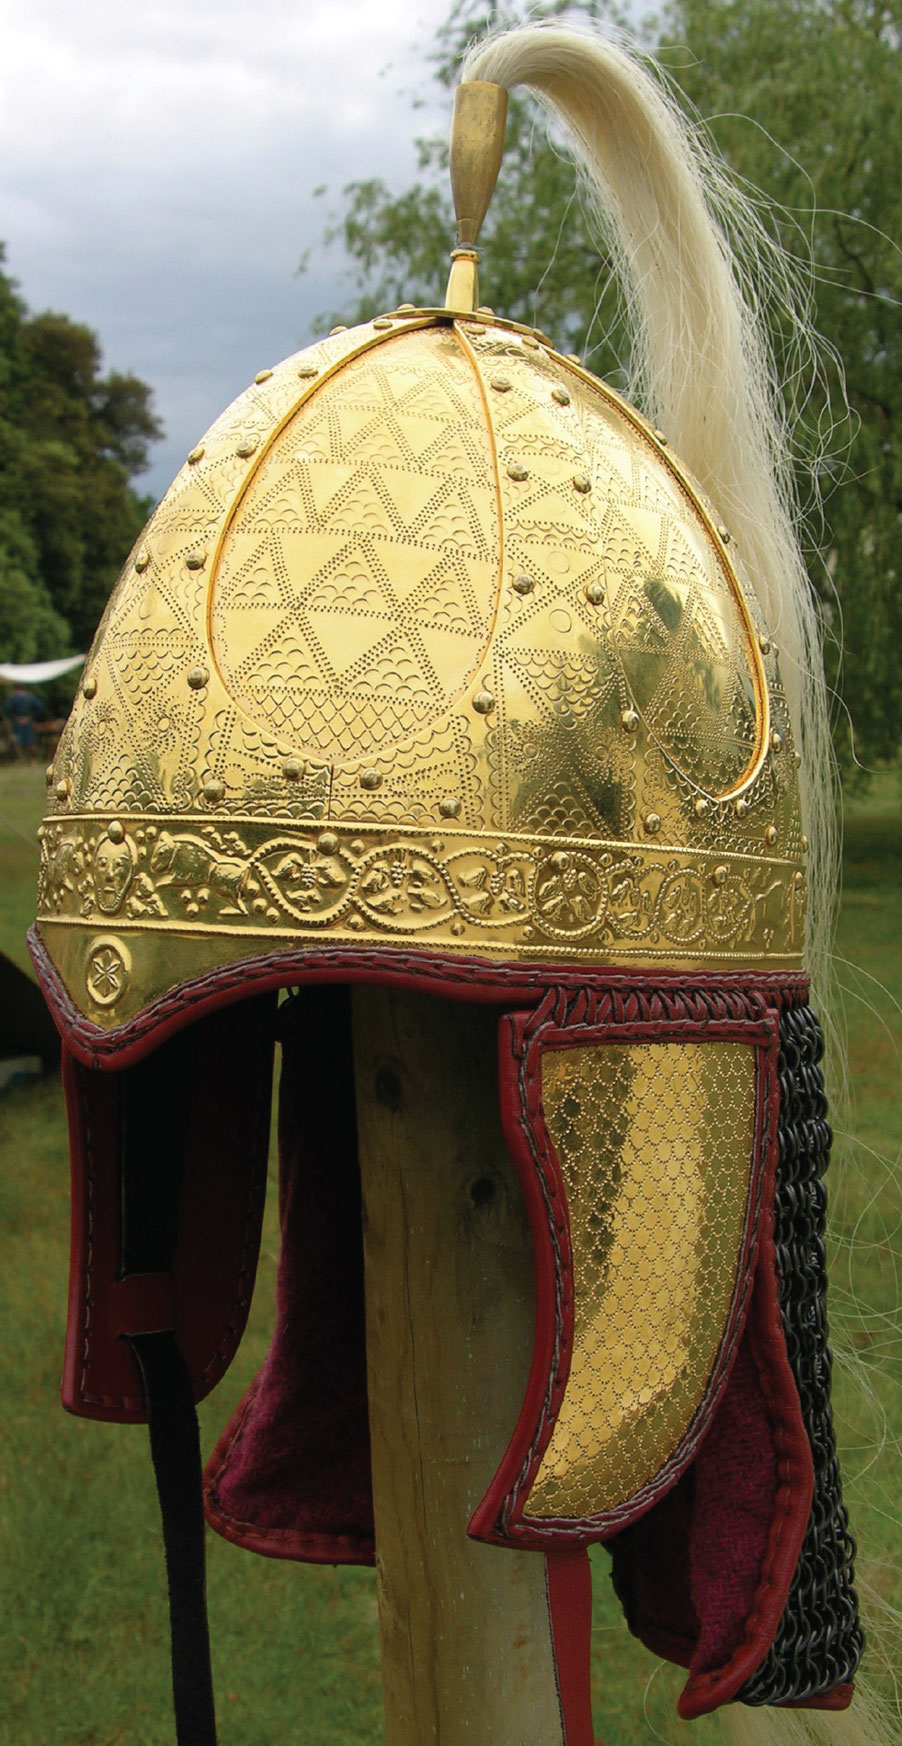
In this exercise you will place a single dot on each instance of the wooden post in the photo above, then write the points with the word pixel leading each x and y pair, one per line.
pixel 466 1640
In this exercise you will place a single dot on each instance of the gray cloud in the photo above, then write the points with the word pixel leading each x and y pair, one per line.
pixel 159 168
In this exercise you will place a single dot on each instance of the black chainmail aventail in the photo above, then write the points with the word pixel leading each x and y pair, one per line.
pixel 819 1641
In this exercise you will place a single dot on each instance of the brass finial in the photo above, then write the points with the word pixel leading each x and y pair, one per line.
pixel 477 142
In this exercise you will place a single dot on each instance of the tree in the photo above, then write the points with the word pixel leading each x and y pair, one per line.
pixel 72 439
pixel 802 100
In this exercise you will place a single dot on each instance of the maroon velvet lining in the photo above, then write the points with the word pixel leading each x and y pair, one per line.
pixel 290 1476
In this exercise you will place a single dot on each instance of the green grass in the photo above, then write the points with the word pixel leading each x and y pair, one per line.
pixel 83 1648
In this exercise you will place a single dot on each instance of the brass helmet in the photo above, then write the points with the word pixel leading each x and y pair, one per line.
pixel 435 667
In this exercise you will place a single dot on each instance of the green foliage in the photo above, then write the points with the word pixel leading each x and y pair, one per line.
pixel 71 441
pixel 803 101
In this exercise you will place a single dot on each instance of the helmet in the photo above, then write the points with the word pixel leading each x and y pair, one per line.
pixel 436 668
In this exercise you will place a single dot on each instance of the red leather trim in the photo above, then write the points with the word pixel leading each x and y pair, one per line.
pixel 568 1582
pixel 309 1548
pixel 597 1016
pixel 207 1296
pixel 452 978
pixel 837 1699
pixel 707 1691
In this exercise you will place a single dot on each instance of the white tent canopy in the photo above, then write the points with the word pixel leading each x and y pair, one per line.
pixel 39 670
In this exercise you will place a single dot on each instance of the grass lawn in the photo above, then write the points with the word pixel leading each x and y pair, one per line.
pixel 295 1647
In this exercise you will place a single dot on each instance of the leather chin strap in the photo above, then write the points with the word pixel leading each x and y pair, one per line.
pixel 175 1451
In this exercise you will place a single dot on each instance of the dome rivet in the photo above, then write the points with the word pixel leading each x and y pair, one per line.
pixel 651 823
pixel 483 703
pixel 719 876
pixel 741 806
pixel 595 593
pixel 660 438
pixel 382 322
pixel 89 688
pixel 115 830
pixel 804 845
pixel 629 721
pixel 573 358
pixel 142 560
pixel 724 534
pixel 798 878
pixel 776 741
pixel 62 790
pixel 517 471
pixel 327 843
pixel 524 584
pixel 582 482
pixel 246 448
pixel 195 455
pixel 475 327
pixel 501 384
pixel 701 807
pixel 406 309
pixel 529 339
pixel 449 806
pixel 561 396
pixel 341 328
pixel 370 779
pixel 797 760
pixel 308 370
pixel 764 645
pixel 198 677
pixel 262 376
pixel 560 861
pixel 486 312
pixel 770 835
pixel 213 789
pixel 292 769
pixel 195 560
pixel 49 774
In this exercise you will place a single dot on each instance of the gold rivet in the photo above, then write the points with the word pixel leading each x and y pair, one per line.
pixel 582 482
pixel 195 560
pixel 62 790
pixel 529 339
pixel 89 688
pixel 475 327
pixel 660 438
pixel 115 831
pixel 501 384
pixel 651 823
pixel 486 312
pixel 770 835
pixel 142 560
pixel 544 338
pixel 524 584
pixel 195 455
pixel 560 861
pixel 724 534
pixel 49 774
pixel 629 721
pixel 797 760
pixel 341 328
pixel 741 806
pixel 804 845
pixel 798 878
pixel 719 876
pixel 573 358
pixel 292 769
pixel 406 309
pixel 701 807
pixel 327 843
pixel 764 645
pixel 198 677
pixel 449 806
pixel 246 448
pixel 594 592
pixel 561 396
pixel 776 741
pixel 370 779
pixel 517 471
pixel 483 703
pixel 262 375
pixel 306 370
pixel 213 788
pixel 382 322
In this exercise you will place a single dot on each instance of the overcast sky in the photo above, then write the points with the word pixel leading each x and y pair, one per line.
pixel 158 167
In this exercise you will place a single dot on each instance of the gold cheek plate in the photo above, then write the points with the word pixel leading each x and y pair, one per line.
pixel 432 642
pixel 655 1143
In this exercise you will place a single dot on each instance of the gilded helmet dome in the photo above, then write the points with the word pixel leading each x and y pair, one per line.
pixel 432 642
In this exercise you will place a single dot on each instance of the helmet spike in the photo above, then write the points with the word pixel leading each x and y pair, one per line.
pixel 477 143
